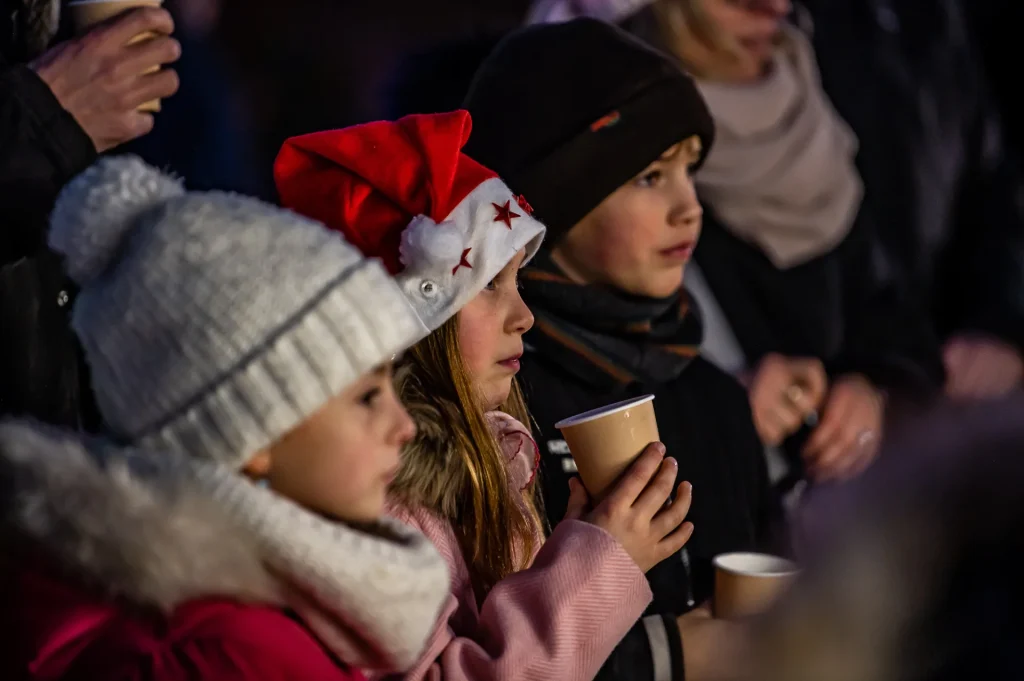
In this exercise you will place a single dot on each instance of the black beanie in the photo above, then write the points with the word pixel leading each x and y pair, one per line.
pixel 568 113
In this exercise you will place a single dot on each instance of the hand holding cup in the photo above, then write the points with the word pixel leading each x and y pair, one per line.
pixel 637 512
pixel 107 78
pixel 713 649
pixel 785 392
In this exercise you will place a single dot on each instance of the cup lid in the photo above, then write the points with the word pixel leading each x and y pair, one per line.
pixel 755 565
pixel 601 412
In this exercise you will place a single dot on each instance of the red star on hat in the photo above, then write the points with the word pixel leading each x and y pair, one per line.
pixel 524 204
pixel 463 262
pixel 420 212
pixel 505 214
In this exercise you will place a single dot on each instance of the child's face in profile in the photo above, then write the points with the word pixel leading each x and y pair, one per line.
pixel 491 328
pixel 640 238
pixel 340 461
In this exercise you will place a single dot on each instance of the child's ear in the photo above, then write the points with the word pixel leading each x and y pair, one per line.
pixel 258 467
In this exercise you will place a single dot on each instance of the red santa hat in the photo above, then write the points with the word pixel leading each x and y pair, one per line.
pixel 404 192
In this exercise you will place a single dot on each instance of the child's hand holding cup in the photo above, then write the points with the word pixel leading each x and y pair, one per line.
pixel 626 474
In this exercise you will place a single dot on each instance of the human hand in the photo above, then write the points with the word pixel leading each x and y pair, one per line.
pixel 846 439
pixel 101 80
pixel 981 366
pixel 784 392
pixel 579 500
pixel 713 649
pixel 635 511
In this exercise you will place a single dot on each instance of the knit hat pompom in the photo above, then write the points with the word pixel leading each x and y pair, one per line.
pixel 97 211
pixel 214 324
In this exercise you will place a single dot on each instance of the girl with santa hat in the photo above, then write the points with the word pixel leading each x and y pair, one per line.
pixel 455 237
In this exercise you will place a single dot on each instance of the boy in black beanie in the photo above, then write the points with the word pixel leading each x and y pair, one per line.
pixel 600 134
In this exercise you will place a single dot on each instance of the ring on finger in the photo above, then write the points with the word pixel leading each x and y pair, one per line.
pixel 865 437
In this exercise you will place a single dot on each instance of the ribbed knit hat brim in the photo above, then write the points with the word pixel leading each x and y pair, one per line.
pixel 213 323
pixel 337 338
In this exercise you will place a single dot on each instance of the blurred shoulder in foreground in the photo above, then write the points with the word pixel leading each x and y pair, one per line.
pixel 912 574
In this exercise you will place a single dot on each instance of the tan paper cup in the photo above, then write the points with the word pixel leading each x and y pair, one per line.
pixel 87 13
pixel 748 583
pixel 605 441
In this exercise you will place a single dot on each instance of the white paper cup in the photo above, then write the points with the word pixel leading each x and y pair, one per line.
pixel 748 583
pixel 605 441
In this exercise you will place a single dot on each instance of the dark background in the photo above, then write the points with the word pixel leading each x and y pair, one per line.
pixel 257 71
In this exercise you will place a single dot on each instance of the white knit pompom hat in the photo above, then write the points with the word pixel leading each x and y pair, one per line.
pixel 213 323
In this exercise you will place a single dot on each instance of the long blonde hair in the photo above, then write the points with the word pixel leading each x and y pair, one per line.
pixel 455 467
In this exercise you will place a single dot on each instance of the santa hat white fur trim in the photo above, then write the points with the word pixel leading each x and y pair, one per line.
pixel 436 280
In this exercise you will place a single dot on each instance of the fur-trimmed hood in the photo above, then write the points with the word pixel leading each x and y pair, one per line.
pixel 160 532
pixel 431 474
pixel 138 531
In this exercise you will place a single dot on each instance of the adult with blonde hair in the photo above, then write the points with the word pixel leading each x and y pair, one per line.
pixel 521 606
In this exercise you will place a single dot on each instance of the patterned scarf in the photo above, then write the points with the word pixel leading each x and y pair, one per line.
pixel 607 338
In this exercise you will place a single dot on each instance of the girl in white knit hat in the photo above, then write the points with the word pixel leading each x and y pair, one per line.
pixel 231 526
pixel 455 236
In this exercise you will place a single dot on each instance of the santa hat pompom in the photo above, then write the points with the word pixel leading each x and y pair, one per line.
pixel 426 243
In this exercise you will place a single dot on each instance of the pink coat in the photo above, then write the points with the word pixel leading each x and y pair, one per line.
pixel 558 619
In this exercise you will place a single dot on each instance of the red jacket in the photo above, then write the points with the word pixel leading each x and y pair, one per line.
pixel 118 565
pixel 56 630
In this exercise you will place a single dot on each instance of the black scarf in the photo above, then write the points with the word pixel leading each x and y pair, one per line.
pixel 607 338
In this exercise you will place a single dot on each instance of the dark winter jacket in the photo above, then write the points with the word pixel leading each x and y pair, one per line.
pixel 843 307
pixel 944 190
pixel 41 148
pixel 996 24
pixel 838 307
